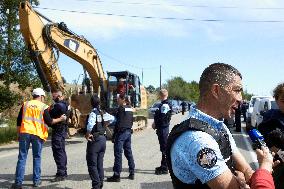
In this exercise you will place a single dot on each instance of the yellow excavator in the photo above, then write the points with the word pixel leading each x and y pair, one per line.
pixel 46 39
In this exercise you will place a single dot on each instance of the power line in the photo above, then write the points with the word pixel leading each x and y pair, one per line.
pixel 181 5
pixel 126 64
pixel 161 18
pixel 170 75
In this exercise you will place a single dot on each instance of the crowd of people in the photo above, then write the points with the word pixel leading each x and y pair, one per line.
pixel 199 152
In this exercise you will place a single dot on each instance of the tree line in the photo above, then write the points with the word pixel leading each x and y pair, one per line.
pixel 180 89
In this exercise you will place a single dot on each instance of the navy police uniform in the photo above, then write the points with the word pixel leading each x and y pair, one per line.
pixel 96 148
pixel 59 133
pixel 199 149
pixel 162 120
pixel 238 113
pixel 122 139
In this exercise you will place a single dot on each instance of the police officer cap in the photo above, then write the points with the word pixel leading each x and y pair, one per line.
pixel 38 92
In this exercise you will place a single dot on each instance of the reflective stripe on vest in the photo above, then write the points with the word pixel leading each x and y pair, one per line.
pixel 32 119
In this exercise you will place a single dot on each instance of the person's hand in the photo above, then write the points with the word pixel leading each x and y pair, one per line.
pixel 63 117
pixel 275 163
pixel 265 158
pixel 153 126
pixel 89 137
pixel 241 180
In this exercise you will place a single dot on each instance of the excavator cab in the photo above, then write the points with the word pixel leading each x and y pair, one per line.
pixel 126 83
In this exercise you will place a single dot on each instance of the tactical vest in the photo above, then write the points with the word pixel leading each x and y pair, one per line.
pixel 32 119
pixel 99 128
pixel 160 119
pixel 124 118
pixel 221 137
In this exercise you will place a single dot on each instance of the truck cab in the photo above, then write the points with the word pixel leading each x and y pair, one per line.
pixel 131 87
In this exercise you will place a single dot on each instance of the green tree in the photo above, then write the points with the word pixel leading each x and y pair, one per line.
pixel 246 95
pixel 151 89
pixel 182 90
pixel 15 64
pixel 7 98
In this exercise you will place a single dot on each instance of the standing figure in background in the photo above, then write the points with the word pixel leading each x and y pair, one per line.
pixel 96 127
pixel 161 123
pixel 238 122
pixel 122 139
pixel 59 134
pixel 244 110
pixel 183 107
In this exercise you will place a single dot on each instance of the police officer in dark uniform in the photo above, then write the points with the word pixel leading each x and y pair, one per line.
pixel 201 152
pixel 161 123
pixel 183 107
pixel 59 133
pixel 96 128
pixel 238 123
pixel 122 138
pixel 244 108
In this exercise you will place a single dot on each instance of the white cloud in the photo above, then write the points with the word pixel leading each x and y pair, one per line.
pixel 110 27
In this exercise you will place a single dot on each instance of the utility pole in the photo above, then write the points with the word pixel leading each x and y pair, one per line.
pixel 160 77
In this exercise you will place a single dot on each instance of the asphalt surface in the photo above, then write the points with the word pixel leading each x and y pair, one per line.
pixel 146 155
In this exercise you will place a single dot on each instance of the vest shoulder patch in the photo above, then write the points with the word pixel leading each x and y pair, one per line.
pixel 165 108
pixel 99 118
pixel 206 158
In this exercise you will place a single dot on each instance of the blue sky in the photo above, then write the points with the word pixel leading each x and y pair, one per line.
pixel 183 48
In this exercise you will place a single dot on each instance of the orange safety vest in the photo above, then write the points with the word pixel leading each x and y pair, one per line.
pixel 32 119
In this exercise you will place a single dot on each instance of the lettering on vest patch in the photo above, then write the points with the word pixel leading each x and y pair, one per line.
pixel 128 109
pixel 33 106
pixel 206 158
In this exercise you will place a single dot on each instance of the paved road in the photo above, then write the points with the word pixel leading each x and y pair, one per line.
pixel 146 155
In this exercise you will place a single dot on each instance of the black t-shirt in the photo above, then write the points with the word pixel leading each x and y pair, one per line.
pixel 59 109
pixel 46 117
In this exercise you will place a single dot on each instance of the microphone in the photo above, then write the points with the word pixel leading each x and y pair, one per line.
pixel 257 139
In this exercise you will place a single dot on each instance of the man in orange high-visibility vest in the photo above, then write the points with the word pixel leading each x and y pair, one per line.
pixel 33 121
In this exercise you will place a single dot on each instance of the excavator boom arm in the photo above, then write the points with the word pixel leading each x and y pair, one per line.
pixel 46 40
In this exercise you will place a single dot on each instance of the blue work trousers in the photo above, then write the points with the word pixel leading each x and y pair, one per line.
pixel 59 153
pixel 163 133
pixel 122 142
pixel 24 144
pixel 95 158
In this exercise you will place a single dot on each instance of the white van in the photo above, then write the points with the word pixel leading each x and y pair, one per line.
pixel 250 109
pixel 260 107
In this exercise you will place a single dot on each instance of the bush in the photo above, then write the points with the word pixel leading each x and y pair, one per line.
pixel 7 98
pixel 8 134
pixel 182 90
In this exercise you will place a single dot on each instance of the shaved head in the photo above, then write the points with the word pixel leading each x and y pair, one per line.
pixel 217 73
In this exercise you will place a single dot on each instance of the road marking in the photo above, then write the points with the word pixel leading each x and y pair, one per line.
pixel 7 154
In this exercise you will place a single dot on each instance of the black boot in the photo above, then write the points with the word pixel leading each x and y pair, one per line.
pixel 58 178
pixel 114 178
pixel 131 176
pixel 161 171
